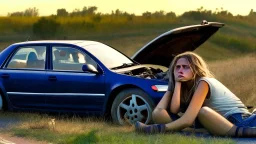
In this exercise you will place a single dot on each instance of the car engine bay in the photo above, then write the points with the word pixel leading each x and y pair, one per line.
pixel 148 73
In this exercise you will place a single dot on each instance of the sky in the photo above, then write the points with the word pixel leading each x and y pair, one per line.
pixel 48 7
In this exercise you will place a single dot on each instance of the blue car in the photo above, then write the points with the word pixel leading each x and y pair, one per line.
pixel 89 77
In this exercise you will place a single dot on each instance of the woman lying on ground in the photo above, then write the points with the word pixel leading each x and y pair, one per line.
pixel 194 91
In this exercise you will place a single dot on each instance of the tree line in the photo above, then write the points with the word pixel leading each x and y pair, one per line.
pixel 85 11
pixel 92 10
pixel 88 19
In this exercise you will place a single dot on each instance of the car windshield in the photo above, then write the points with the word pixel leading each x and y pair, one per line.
pixel 110 57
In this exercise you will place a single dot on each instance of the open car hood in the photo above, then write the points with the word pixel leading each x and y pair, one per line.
pixel 162 49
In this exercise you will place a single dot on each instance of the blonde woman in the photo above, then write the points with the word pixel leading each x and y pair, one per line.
pixel 195 92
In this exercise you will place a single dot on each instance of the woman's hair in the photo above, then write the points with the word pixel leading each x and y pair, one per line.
pixel 198 67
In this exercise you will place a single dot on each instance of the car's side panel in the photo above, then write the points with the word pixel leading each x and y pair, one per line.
pixel 23 84
pixel 25 88
pixel 70 88
pixel 78 91
pixel 5 97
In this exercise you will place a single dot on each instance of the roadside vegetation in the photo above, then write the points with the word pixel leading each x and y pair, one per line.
pixel 119 29
pixel 75 129
pixel 231 54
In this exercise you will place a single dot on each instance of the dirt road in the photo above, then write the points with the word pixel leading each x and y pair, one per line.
pixel 8 139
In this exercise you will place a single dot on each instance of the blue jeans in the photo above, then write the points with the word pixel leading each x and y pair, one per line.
pixel 245 120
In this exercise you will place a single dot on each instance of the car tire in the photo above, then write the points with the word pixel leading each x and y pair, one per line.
pixel 132 105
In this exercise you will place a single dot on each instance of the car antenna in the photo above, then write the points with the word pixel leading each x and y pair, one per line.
pixel 28 38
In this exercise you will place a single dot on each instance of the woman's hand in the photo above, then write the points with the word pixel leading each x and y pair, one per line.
pixel 178 83
pixel 175 102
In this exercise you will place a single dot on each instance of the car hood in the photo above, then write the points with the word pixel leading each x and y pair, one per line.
pixel 162 49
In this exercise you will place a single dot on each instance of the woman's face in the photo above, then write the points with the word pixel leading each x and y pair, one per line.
pixel 182 70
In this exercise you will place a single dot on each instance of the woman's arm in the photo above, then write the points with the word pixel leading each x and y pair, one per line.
pixel 193 109
pixel 164 101
pixel 175 101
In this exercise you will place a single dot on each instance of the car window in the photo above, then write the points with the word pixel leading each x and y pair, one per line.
pixel 32 57
pixel 67 58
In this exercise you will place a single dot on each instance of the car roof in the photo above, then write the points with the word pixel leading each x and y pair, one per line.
pixel 73 42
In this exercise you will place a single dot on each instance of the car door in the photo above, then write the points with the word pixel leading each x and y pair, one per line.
pixel 71 88
pixel 23 77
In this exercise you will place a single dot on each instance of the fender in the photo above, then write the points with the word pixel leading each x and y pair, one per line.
pixel 5 97
pixel 114 90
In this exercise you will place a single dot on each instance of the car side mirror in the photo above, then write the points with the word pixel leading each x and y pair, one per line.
pixel 89 68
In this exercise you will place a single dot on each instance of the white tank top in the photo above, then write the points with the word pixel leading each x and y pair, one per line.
pixel 222 100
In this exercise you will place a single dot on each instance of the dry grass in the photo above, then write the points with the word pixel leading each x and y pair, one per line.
pixel 73 125
pixel 239 76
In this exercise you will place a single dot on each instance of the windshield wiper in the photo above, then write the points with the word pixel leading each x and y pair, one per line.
pixel 124 65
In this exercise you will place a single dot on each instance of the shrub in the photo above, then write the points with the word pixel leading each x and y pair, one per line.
pixel 45 27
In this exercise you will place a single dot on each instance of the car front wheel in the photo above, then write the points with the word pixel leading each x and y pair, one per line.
pixel 132 105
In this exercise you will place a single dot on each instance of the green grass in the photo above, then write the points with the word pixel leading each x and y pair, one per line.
pixel 129 35
pixel 212 52
pixel 236 37
pixel 97 136
pixel 91 130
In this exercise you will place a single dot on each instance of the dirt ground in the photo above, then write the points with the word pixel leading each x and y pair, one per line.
pixel 8 139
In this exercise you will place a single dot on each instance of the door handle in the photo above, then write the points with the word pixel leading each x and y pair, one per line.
pixel 5 75
pixel 52 78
